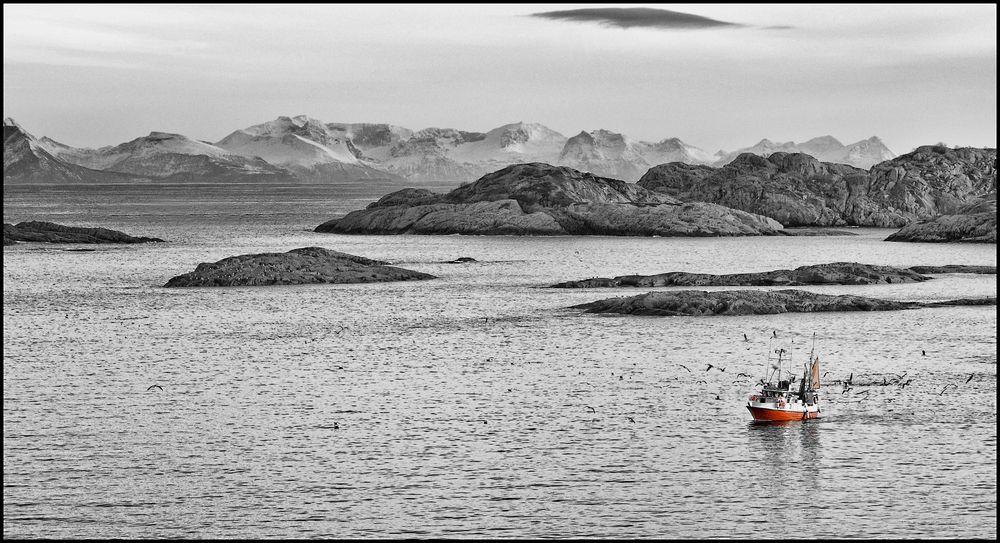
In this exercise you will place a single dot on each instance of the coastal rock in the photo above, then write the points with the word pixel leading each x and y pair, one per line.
pixel 975 223
pixel 752 302
pixel 307 265
pixel 955 268
pixel 837 273
pixel 798 190
pixel 540 199
pixel 48 232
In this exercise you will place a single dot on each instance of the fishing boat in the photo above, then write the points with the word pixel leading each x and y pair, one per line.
pixel 779 399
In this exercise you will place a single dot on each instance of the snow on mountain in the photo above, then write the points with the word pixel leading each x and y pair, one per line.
pixel 169 156
pixel 291 141
pixel 867 153
pixel 309 148
pixel 861 154
pixel 26 160
pixel 510 144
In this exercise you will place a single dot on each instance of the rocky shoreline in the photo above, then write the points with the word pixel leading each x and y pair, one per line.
pixel 975 223
pixel 837 273
pixel 308 265
pixel 48 232
pixel 543 200
pixel 753 302
pixel 798 190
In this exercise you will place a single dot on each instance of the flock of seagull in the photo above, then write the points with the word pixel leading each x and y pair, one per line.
pixel 847 384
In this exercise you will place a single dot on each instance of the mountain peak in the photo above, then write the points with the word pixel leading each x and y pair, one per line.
pixel 9 121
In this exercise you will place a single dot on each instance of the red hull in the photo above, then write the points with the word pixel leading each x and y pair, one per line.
pixel 760 413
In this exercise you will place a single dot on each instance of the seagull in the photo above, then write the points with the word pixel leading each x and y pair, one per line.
pixel 685 367
pixel 709 367
pixel 592 410
pixel 946 388
pixel 902 386
pixel 971 375
pixel 151 387
pixel 717 397
pixel 630 419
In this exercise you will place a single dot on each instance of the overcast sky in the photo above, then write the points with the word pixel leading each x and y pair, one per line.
pixel 716 76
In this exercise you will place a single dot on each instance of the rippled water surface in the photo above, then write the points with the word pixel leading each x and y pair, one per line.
pixel 472 405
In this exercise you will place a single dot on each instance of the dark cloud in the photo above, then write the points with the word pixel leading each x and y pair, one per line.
pixel 636 17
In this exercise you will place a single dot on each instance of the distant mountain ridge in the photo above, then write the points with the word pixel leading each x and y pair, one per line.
pixel 861 154
pixel 305 149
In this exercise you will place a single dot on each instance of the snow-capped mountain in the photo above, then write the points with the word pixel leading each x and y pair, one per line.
pixel 611 154
pixel 305 146
pixel 170 157
pixel 26 160
pixel 305 149
pixel 862 154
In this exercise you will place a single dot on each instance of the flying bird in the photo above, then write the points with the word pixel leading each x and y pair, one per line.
pixel 970 378
pixel 902 386
pixel 630 419
pixel 946 388
pixel 685 367
pixel 592 410
pixel 151 387
pixel 775 333
pixel 709 367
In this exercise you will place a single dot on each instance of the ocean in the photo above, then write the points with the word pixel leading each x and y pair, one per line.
pixel 476 404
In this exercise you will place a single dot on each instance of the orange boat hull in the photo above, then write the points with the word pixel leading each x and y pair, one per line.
pixel 761 413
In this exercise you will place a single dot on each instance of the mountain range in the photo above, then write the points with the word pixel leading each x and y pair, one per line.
pixel 303 149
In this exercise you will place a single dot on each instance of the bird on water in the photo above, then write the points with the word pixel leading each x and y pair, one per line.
pixel 151 387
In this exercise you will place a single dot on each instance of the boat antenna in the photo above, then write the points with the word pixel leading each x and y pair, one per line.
pixel 767 363
pixel 812 353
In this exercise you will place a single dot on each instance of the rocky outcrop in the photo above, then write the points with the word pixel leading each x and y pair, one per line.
pixel 48 232
pixel 955 268
pixel 798 190
pixel 540 199
pixel 837 273
pixel 975 223
pixel 308 265
pixel 752 302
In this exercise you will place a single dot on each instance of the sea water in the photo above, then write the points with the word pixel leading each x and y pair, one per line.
pixel 472 405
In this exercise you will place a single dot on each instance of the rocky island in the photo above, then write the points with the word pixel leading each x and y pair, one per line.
pixel 49 232
pixel 837 273
pixel 541 199
pixel 303 266
pixel 798 190
pixel 752 302
pixel 974 223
